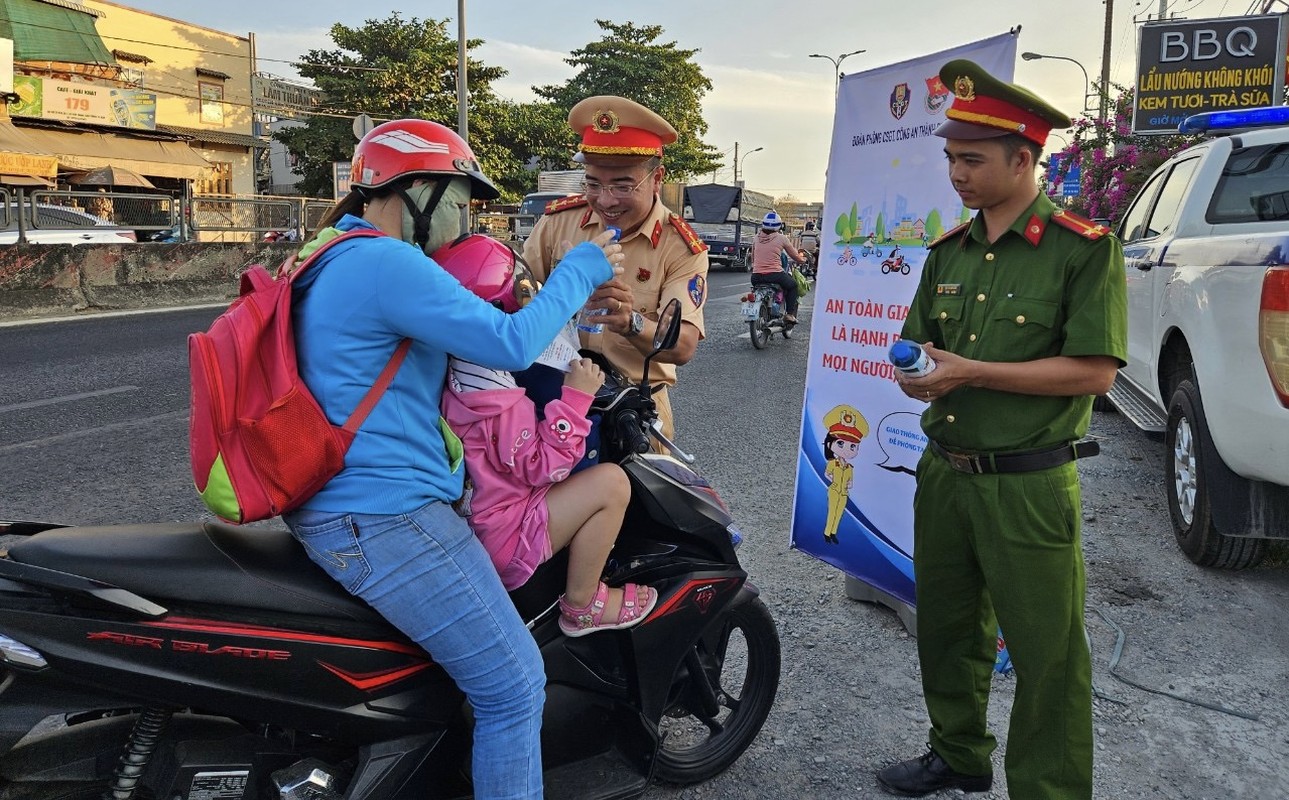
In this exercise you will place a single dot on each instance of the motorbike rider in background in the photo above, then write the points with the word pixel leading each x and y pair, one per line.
pixel 384 527
pixel 767 268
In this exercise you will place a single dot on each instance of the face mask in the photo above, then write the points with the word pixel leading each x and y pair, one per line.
pixel 445 221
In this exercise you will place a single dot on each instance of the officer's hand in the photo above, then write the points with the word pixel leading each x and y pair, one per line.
pixel 614 296
pixel 951 371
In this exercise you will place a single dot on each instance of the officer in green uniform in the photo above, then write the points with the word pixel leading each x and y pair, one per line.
pixel 1025 313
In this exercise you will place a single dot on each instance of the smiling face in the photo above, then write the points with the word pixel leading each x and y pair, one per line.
pixel 626 212
pixel 984 175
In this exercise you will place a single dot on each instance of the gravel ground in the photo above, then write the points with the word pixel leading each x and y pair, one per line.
pixel 849 701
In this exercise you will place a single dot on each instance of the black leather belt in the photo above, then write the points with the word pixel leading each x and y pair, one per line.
pixel 1016 461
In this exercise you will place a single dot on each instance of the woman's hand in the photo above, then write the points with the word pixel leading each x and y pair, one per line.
pixel 584 375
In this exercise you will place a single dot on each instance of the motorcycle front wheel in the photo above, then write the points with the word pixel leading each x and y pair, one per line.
pixel 720 696
pixel 759 328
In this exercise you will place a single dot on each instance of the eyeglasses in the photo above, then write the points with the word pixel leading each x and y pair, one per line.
pixel 618 190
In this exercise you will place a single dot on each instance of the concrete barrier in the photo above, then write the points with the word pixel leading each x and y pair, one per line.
pixel 48 279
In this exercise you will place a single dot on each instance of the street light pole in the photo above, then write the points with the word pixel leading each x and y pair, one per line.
pixel 1087 84
pixel 836 64
pixel 738 162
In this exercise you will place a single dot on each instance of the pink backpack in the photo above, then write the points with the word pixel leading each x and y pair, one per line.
pixel 260 444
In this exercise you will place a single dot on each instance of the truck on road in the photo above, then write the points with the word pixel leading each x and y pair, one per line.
pixel 1206 246
pixel 551 185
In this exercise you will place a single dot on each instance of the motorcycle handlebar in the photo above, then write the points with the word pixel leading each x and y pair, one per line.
pixel 631 432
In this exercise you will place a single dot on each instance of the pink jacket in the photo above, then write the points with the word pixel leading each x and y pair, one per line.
pixel 511 461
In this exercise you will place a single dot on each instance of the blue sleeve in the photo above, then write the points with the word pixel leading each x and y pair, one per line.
pixel 422 301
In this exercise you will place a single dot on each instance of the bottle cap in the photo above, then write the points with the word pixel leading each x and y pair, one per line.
pixel 617 232
pixel 904 353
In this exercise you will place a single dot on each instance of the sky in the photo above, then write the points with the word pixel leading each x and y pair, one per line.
pixel 766 91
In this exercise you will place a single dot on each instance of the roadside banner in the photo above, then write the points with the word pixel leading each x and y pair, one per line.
pixel 888 195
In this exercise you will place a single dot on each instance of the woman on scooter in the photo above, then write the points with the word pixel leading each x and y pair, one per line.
pixel 767 266
pixel 384 527
pixel 524 505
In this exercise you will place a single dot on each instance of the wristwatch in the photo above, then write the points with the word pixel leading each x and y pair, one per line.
pixel 637 325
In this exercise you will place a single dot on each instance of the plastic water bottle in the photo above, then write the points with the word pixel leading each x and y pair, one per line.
pixel 586 320
pixel 909 358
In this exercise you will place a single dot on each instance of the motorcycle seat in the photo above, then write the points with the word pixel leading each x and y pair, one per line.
pixel 206 563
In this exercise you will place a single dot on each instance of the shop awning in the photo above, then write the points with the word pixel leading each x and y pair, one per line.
pixel 20 155
pixel 53 30
pixel 152 157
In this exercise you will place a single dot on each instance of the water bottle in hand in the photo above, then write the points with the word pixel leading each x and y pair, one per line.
pixel 909 358
pixel 586 320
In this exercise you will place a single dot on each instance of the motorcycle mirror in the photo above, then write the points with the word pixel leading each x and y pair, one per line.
pixel 665 336
pixel 667 333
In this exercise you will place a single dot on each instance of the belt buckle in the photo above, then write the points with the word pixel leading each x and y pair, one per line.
pixel 963 462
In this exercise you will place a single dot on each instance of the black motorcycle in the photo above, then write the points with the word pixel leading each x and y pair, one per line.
pixel 211 662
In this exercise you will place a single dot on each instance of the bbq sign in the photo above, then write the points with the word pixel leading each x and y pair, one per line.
pixel 1187 67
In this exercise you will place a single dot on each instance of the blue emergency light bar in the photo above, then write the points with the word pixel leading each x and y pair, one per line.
pixel 1230 120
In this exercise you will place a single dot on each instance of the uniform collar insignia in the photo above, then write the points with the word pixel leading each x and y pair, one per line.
pixel 657 233
pixel 1034 228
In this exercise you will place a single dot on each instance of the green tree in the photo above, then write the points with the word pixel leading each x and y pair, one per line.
pixel 934 224
pixel 394 68
pixel 880 226
pixel 630 62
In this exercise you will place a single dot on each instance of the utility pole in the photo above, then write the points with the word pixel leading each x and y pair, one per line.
pixel 1103 106
pixel 463 124
pixel 736 163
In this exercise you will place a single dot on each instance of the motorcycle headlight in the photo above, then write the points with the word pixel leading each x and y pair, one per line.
pixel 18 654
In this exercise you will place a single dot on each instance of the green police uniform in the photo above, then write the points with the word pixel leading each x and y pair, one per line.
pixel 1003 550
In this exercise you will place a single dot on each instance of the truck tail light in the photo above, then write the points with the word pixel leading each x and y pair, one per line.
pixel 1273 329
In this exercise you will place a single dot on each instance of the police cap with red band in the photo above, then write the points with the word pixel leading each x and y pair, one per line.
pixel 616 131
pixel 984 107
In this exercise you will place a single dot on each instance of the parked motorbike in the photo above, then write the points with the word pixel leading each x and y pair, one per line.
pixel 187 661
pixel 764 309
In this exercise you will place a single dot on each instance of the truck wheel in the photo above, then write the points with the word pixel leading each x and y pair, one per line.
pixel 1186 438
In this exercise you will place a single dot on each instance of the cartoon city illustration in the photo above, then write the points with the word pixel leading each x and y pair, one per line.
pixel 867 234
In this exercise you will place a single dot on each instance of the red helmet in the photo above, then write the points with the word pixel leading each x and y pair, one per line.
pixel 405 148
pixel 488 268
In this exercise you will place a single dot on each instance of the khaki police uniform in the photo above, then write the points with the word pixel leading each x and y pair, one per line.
pixel 663 259
pixel 1003 549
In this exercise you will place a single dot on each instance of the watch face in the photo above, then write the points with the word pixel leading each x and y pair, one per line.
pixel 637 323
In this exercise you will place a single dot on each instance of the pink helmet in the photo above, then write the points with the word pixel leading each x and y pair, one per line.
pixel 488 268
pixel 404 148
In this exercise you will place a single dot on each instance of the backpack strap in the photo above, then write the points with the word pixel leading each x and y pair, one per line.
pixel 382 383
pixel 291 270
pixel 386 377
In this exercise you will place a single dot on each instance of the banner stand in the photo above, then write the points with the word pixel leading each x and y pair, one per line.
pixel 867 593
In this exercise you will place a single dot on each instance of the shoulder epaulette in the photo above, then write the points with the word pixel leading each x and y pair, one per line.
pixel 695 242
pixel 944 237
pixel 1080 225
pixel 565 203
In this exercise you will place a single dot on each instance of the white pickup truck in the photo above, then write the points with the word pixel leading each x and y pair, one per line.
pixel 1206 245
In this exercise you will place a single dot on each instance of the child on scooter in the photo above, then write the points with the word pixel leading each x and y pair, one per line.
pixel 523 503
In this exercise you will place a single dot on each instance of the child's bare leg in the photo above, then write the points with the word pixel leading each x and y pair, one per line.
pixel 586 511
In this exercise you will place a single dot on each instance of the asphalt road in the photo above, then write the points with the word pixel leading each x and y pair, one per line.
pixel 93 430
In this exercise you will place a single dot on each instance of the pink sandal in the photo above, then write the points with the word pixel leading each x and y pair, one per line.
pixel 637 602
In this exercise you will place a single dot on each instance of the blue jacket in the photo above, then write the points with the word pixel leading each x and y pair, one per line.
pixel 350 311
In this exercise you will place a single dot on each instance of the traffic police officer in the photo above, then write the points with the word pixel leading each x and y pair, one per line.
pixel 621 148
pixel 1024 310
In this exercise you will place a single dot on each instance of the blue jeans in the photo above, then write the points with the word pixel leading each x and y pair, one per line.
pixel 427 574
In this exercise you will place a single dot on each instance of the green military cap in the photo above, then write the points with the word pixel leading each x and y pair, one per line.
pixel 985 107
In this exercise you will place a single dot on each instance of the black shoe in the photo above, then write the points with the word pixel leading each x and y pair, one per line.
pixel 929 773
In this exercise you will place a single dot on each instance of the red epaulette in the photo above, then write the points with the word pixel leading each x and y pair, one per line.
pixel 1080 225
pixel 944 237
pixel 695 242
pixel 565 203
